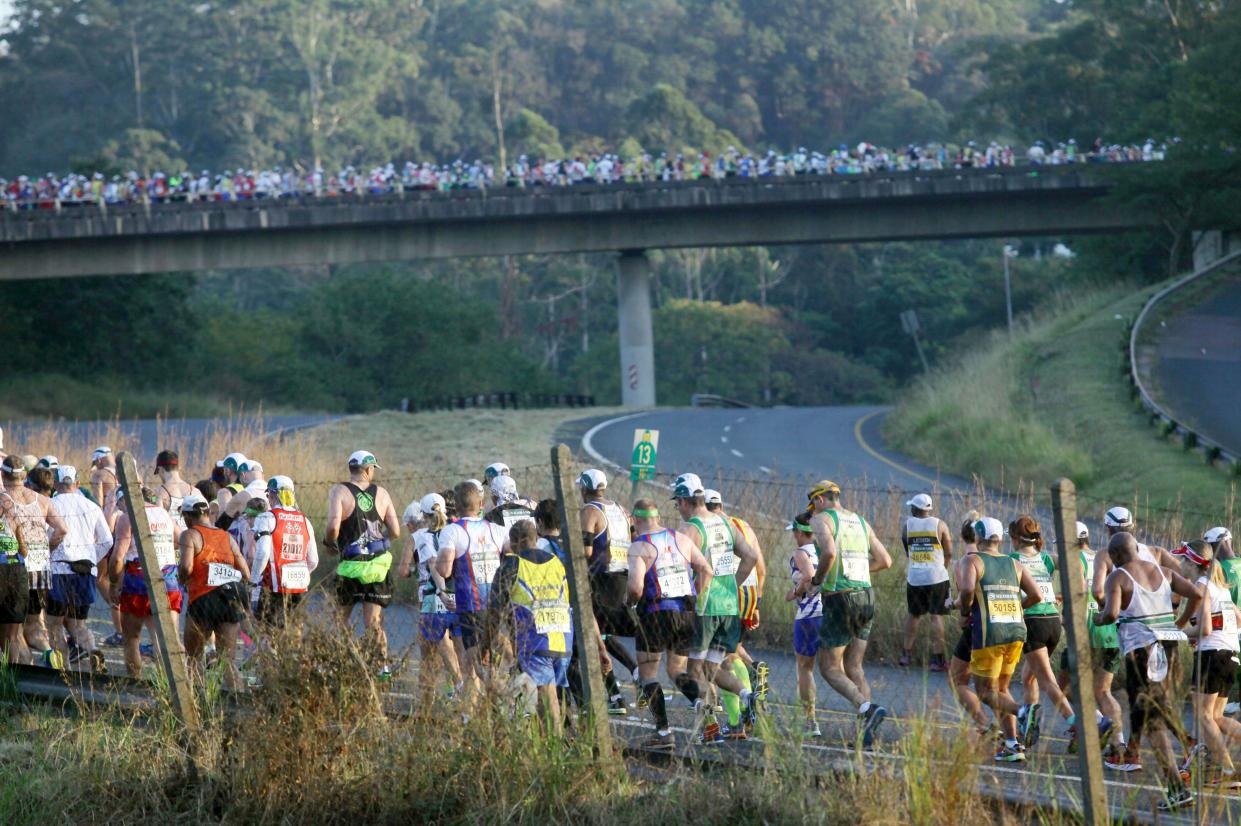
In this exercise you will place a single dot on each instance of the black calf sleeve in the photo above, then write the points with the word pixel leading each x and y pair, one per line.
pixel 654 694
pixel 688 686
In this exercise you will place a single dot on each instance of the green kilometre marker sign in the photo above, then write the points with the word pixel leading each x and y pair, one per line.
pixel 645 445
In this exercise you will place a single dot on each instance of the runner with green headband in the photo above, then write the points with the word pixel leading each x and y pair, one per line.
pixel 361 525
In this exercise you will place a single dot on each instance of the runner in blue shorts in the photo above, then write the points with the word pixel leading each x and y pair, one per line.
pixel 809 616
pixel 439 631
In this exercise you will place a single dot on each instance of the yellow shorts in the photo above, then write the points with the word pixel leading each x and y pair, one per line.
pixel 996 660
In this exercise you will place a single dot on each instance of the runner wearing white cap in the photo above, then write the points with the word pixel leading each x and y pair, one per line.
pixel 849 552
pixel 495 469
pixel 1118 519
pixel 719 622
pixel 510 507
pixel 285 554
pixel 994 592
pixel 361 524
pixel 439 634
pixel 74 571
pixel 606 529
pixel 1220 540
pixel 928 547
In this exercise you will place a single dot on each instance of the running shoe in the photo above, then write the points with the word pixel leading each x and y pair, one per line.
pixel 76 655
pixel 730 733
pixel 659 742
pixel 749 711
pixel 1195 751
pixel 811 729
pixel 761 679
pixel 617 706
pixel 113 640
pixel 1028 725
pixel 938 664
pixel 906 659
pixel 1222 779
pixel 1177 797
pixel 51 658
pixel 711 733
pixel 1232 708
pixel 1128 760
pixel 385 674
pixel 872 719
pixel 1071 748
pixel 147 650
pixel 1010 754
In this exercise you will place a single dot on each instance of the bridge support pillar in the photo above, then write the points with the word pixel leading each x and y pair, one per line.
pixel 637 340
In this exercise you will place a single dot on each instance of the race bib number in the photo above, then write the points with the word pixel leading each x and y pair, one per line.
pixel 165 553
pixel 292 547
pixel 723 562
pixel 1047 593
pixel 552 617
pixel 38 557
pixel 618 540
pixel 856 567
pixel 485 565
pixel 220 574
pixel 1003 608
pixel 294 577
pixel 673 582
pixel 922 557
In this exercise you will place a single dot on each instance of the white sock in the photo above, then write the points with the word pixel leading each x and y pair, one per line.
pixel 745 695
pixel 864 707
pixel 1098 716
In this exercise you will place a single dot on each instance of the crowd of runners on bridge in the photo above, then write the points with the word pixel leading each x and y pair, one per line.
pixel 606 168
pixel 679 575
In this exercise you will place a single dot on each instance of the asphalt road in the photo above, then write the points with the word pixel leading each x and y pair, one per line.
pixel 1198 368
pixel 794 444
pixel 143 434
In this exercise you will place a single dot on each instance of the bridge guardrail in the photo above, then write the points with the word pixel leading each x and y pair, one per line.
pixel 502 401
pixel 1211 450
pixel 36 209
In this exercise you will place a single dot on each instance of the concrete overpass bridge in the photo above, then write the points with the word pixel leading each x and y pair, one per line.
pixel 624 218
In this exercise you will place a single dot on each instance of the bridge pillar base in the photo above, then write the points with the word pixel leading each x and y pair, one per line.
pixel 637 339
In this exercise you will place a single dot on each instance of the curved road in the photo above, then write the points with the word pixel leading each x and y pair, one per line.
pixel 788 444
pixel 1198 369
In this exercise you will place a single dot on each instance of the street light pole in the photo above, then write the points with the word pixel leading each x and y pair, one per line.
pixel 1009 252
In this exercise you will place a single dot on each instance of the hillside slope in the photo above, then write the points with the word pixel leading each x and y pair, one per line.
pixel 1054 402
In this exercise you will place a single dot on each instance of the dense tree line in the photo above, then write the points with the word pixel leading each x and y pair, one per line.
pixel 143 84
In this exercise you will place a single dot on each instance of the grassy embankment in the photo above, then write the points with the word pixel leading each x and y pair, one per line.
pixel 1054 402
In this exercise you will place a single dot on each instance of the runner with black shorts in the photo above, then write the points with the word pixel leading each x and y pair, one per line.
pixel 660 584
pixel 605 539
pixel 40 528
pixel 1138 597
pixel 849 552
pixel 212 570
pixel 362 523
pixel 1214 632
pixel 959 667
pixel 928 547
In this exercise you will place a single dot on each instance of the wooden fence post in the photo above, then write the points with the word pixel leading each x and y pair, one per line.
pixel 1081 668
pixel 584 628
pixel 172 652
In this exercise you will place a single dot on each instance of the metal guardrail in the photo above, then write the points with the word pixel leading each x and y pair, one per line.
pixel 712 400
pixel 1211 450
pixel 502 401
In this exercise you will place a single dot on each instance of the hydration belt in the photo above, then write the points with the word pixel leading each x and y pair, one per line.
pixel 360 551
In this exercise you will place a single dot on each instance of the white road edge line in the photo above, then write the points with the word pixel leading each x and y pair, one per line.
pixel 766 469
pixel 727 428
pixel 738 453
pixel 588 439
pixel 724 439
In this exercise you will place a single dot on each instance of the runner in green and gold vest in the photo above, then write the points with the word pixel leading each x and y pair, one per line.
pixel 849 552
pixel 719 623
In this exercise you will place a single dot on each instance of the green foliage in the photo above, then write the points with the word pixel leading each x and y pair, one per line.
pixel 665 119
pixel 536 137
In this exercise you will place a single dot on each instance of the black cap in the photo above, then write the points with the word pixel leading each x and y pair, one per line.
pixel 167 458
